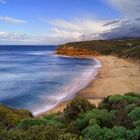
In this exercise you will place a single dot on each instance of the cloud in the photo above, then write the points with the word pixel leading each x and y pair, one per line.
pixel 88 29
pixel 78 29
pixel 12 20
pixel 129 8
pixel 128 26
pixel 84 25
pixel 13 36
pixel 111 22
pixel 125 28
pixel 72 30
pixel 138 19
pixel 3 2
pixel 22 38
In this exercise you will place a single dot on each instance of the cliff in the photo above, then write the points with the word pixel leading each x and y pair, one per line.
pixel 122 48
pixel 71 50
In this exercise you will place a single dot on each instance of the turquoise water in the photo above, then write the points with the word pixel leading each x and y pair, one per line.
pixel 35 78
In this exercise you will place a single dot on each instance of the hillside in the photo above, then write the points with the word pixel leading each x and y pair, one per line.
pixel 10 117
pixel 127 48
pixel 117 118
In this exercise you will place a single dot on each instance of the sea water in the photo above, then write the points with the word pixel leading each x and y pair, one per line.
pixel 35 78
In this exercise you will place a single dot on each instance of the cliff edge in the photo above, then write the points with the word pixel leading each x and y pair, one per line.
pixel 122 48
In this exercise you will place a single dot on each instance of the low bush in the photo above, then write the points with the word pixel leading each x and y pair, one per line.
pixel 117 118
pixel 76 106
pixel 135 114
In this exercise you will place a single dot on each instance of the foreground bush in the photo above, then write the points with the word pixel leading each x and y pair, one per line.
pixel 76 106
pixel 117 118
pixel 10 117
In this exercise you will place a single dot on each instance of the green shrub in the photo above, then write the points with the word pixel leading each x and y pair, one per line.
pixel 10 117
pixel 113 115
pixel 93 132
pixel 130 107
pixel 135 114
pixel 119 132
pixel 72 128
pixel 68 136
pixel 103 105
pixel 42 132
pixel 13 134
pixel 117 102
pixel 82 122
pixel 25 124
pixel 130 135
pixel 24 113
pixel 118 118
pixel 95 115
pixel 92 121
pixel 54 119
pixel 132 94
pixel 76 106
pixel 136 123
pixel 108 134
pixel 131 99
pixel 136 132
pixel 102 116
pixel 112 118
pixel 116 99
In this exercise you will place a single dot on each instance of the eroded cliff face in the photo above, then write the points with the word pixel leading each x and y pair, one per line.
pixel 71 50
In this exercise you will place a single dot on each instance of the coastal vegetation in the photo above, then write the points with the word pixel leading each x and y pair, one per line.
pixel 126 48
pixel 117 117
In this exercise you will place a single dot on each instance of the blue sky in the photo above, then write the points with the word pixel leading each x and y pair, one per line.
pixel 60 21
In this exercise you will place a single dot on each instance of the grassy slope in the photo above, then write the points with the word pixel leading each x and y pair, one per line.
pixel 10 117
pixel 128 48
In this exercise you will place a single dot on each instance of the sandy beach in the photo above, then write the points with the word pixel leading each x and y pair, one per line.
pixel 116 76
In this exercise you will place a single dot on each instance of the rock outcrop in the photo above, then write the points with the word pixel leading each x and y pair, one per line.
pixel 71 51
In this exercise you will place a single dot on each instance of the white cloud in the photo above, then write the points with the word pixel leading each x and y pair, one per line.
pixel 63 31
pixel 129 8
pixel 13 36
pixel 22 38
pixel 80 25
pixel 73 31
pixel 2 2
pixel 88 29
pixel 12 20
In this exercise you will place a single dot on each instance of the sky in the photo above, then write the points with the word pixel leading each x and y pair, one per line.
pixel 47 22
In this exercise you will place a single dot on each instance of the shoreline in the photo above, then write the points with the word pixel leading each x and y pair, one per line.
pixel 63 102
pixel 116 76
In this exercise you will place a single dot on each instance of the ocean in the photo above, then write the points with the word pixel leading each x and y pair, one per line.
pixel 35 78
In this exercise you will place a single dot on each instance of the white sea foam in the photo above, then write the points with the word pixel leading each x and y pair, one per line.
pixel 68 92
pixel 40 52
